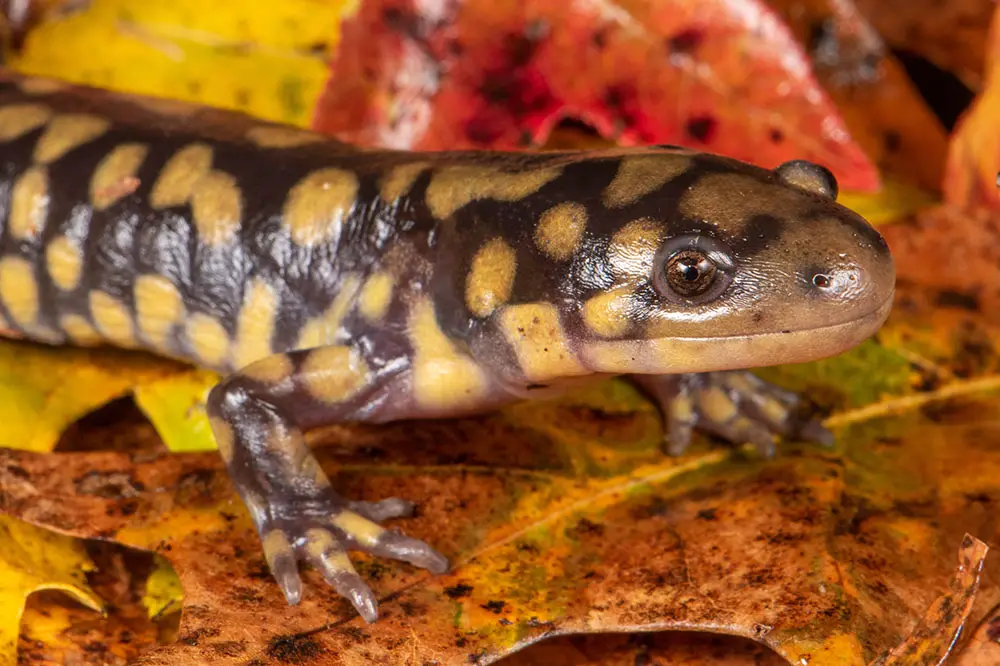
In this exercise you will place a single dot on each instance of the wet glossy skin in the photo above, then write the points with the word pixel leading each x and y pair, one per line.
pixel 330 284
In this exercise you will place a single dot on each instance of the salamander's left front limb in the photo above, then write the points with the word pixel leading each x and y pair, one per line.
pixel 258 416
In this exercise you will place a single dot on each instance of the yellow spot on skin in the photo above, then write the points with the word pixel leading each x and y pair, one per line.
pixel 179 175
pixel 399 181
pixel 609 313
pixel 159 307
pixel 317 206
pixel 323 329
pixel 334 374
pixel 282 137
pixel 207 338
pixel 41 86
pixel 319 542
pixel 633 248
pixel 373 301
pixel 112 318
pixel 275 544
pixel 537 338
pixel 255 326
pixel 29 205
pixel 17 120
pixel 66 132
pixel 452 188
pixel 80 330
pixel 716 405
pixel 641 175
pixel 225 439
pixel 363 531
pixel 64 261
pixel 115 177
pixel 217 208
pixel 19 291
pixel 560 230
pixel 491 278
pixel 681 409
pixel 774 410
pixel 271 370
pixel 443 377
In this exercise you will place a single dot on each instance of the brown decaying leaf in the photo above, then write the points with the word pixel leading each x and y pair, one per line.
pixel 949 33
pixel 983 648
pixel 941 626
pixel 714 74
pixel 869 87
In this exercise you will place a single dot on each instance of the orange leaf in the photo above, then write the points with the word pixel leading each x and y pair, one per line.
pixel 718 75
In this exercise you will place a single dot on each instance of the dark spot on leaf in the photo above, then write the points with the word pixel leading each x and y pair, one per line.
pixel 685 41
pixel 18 471
pixel 229 648
pixel 993 629
pixel 957 299
pixel 776 135
pixel 458 591
pixel 294 649
pixel 893 140
pixel 356 634
pixel 494 606
pixel 585 527
pixel 706 514
pixel 702 128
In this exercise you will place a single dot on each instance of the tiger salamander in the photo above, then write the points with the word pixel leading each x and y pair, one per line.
pixel 327 283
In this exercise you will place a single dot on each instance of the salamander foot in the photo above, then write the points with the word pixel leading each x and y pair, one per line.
pixel 321 531
pixel 735 405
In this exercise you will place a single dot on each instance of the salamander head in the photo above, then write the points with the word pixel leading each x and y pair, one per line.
pixel 719 265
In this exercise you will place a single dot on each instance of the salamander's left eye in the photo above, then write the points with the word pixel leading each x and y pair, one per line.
pixel 693 268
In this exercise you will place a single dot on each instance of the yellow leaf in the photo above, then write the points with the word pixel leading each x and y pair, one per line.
pixel 163 589
pixel 45 389
pixel 269 59
pixel 176 406
pixel 894 200
pixel 33 559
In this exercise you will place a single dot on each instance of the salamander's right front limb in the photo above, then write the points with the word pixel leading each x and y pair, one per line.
pixel 258 416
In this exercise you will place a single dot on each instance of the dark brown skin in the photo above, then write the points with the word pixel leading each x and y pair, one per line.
pixel 330 284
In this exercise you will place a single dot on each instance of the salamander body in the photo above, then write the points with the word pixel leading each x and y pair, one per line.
pixel 328 283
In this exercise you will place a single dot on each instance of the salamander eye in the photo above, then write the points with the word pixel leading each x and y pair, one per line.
pixel 690 272
pixel 693 268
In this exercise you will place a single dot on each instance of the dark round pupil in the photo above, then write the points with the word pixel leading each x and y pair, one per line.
pixel 689 269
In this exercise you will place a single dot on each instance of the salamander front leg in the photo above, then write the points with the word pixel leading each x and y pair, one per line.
pixel 258 416
pixel 735 405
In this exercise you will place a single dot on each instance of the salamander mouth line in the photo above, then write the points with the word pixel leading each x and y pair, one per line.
pixel 876 315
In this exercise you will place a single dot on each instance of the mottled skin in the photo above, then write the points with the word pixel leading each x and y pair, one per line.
pixel 330 284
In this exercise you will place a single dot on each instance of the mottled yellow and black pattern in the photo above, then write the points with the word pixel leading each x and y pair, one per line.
pixel 333 284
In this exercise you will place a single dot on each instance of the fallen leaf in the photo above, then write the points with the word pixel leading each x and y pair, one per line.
pixel 950 34
pixel 974 153
pixel 34 559
pixel 869 87
pixel 268 59
pixel 722 76
pixel 55 630
pixel 932 640
pixel 45 389
pixel 983 648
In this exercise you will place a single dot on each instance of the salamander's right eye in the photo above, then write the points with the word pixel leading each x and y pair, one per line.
pixel 694 268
